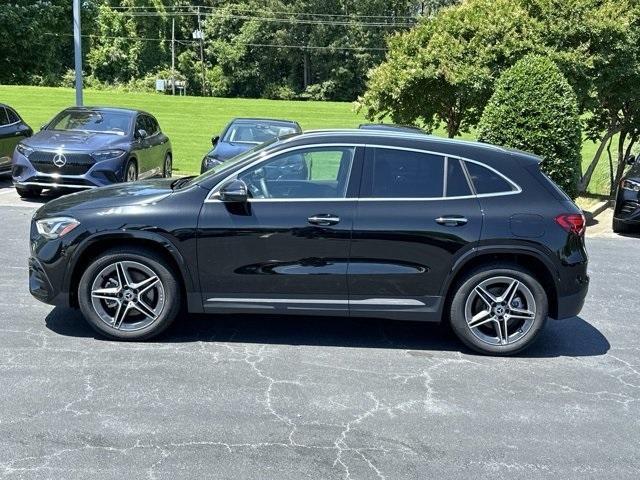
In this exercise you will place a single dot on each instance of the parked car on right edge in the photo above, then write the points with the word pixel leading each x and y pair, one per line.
pixel 626 212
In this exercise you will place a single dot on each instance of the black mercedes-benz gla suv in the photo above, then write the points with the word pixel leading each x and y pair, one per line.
pixel 380 224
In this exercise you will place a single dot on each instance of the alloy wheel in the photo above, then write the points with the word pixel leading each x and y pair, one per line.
pixel 167 167
pixel 127 296
pixel 131 173
pixel 500 310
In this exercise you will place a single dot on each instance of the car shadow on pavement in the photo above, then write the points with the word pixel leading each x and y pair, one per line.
pixel 571 337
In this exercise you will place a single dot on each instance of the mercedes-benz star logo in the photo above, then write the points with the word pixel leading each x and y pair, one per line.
pixel 59 160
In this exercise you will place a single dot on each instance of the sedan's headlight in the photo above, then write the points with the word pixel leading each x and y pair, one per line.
pixel 631 185
pixel 56 227
pixel 107 154
pixel 210 162
pixel 24 150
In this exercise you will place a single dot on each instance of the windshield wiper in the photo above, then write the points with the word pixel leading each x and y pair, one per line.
pixel 181 181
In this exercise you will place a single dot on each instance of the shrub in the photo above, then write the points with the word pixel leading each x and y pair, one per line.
pixel 533 108
pixel 276 91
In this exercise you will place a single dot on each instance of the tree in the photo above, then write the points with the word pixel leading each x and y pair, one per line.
pixel 444 69
pixel 535 109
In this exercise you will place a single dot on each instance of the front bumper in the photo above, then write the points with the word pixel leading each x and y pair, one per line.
pixel 41 287
pixel 98 174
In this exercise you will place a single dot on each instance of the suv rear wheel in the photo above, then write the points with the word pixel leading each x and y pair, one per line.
pixel 498 309
pixel 129 294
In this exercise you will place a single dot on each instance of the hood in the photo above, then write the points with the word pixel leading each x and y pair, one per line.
pixel 225 151
pixel 118 195
pixel 79 141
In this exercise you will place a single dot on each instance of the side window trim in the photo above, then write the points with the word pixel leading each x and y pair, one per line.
pixel 357 162
pixel 19 118
pixel 363 153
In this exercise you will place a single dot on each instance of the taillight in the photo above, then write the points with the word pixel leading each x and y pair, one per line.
pixel 572 222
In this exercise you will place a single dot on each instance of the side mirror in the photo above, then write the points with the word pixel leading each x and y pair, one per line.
pixel 235 191
pixel 215 140
pixel 141 134
pixel 631 160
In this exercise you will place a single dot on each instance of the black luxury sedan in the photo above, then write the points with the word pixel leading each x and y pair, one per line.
pixel 380 224
pixel 242 134
pixel 12 130
pixel 87 147
pixel 626 213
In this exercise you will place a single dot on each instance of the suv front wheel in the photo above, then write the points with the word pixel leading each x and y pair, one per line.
pixel 498 309
pixel 129 294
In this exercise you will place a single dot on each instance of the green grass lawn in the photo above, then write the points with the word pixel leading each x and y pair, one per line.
pixel 190 122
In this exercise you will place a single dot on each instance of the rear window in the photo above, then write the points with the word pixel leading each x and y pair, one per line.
pixel 486 180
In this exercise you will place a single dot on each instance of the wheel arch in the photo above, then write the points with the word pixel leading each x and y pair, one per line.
pixel 529 258
pixel 160 245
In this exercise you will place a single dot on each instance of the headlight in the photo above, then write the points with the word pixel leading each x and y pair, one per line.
pixel 630 185
pixel 107 154
pixel 211 162
pixel 24 150
pixel 56 227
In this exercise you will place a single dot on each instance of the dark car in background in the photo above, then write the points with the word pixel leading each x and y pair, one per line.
pixel 385 224
pixel 88 147
pixel 626 212
pixel 12 130
pixel 242 134
pixel 391 127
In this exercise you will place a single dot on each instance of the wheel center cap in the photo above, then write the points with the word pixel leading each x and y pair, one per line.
pixel 499 310
pixel 128 295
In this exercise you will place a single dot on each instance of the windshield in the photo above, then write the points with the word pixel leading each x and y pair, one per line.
pixel 231 162
pixel 93 121
pixel 254 133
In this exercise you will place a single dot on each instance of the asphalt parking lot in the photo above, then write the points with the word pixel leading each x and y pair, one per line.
pixel 243 397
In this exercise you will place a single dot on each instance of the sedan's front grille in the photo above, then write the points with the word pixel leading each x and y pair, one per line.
pixel 628 207
pixel 76 163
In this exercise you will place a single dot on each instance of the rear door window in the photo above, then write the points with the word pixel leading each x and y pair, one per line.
pixel 12 116
pixel 406 174
pixel 3 117
pixel 457 184
pixel 486 180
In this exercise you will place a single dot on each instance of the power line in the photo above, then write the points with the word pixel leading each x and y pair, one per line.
pixel 190 42
pixel 275 12
pixel 271 19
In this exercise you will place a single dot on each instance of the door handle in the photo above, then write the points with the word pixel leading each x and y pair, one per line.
pixel 452 221
pixel 324 219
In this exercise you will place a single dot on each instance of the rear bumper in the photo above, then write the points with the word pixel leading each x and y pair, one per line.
pixel 571 305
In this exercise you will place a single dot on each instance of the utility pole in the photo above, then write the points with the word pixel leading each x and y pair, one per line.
pixel 201 35
pixel 77 42
pixel 173 55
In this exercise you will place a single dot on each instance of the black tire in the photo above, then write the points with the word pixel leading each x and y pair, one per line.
pixel 171 294
pixel 29 192
pixel 465 295
pixel 167 168
pixel 620 227
pixel 131 171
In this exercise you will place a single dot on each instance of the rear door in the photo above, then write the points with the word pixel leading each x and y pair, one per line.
pixel 141 146
pixel 156 147
pixel 416 215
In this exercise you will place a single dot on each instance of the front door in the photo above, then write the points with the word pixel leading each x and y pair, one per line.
pixel 287 248
pixel 416 215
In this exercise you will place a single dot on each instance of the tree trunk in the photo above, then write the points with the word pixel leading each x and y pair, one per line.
pixel 586 178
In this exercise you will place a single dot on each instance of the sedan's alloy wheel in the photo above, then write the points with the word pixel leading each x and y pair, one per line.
pixel 500 310
pixel 131 173
pixel 127 296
